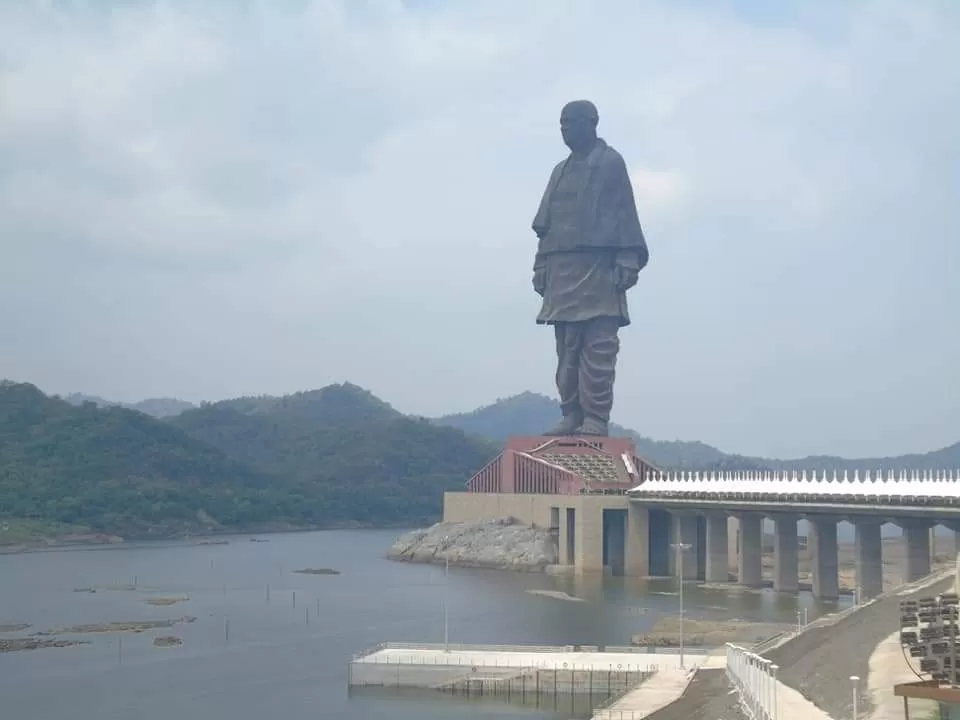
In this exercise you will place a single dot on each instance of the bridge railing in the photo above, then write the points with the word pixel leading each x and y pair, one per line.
pixel 755 680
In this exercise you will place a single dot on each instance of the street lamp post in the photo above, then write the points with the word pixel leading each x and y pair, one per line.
pixel 854 681
pixel 446 597
pixel 680 547
pixel 446 604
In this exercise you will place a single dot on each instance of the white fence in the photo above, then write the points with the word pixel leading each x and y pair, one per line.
pixel 755 680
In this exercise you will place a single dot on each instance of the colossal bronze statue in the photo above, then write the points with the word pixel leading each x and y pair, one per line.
pixel 590 251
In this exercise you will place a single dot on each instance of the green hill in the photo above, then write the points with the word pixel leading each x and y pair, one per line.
pixel 332 457
pixel 371 463
pixel 529 414
pixel 116 470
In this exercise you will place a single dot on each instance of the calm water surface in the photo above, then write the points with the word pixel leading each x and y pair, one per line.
pixel 247 658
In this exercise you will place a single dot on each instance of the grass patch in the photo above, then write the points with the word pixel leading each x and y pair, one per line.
pixel 165 601
pixel 167 641
pixel 24 531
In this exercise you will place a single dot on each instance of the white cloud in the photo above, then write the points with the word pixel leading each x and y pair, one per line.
pixel 656 189
pixel 273 196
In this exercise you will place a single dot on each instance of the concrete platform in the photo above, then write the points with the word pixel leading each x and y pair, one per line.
pixel 534 657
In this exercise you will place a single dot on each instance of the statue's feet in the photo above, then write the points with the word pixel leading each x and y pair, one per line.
pixel 567 426
pixel 593 426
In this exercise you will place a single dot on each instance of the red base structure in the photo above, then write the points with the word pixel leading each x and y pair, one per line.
pixel 562 466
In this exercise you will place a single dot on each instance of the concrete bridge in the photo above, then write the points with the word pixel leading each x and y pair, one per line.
pixel 701 505
pixel 611 510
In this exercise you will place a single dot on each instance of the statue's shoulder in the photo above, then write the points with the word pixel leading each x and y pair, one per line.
pixel 611 156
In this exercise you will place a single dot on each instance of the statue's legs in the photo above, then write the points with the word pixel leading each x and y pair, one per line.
pixel 600 346
pixel 586 362
pixel 569 339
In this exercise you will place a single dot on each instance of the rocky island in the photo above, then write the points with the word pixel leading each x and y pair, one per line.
pixel 500 543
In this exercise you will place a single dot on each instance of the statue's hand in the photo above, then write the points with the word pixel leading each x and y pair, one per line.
pixel 626 277
pixel 540 281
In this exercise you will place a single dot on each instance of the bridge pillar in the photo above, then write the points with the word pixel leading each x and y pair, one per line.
pixel 869 558
pixel 954 527
pixel 826 576
pixel 916 537
pixel 588 537
pixel 659 537
pixel 685 528
pixel 785 556
pixel 717 570
pixel 750 551
pixel 637 561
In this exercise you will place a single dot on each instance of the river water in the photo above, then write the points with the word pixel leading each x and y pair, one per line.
pixel 271 643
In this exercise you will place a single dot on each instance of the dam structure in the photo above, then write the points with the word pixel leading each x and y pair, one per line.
pixel 612 511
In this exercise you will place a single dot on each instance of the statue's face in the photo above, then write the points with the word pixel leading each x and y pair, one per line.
pixel 578 130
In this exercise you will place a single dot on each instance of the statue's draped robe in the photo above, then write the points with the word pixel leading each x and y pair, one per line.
pixel 587 224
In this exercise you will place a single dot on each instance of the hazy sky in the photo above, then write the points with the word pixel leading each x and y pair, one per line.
pixel 263 197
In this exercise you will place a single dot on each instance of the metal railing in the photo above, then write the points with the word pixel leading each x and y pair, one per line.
pixel 755 680
pixel 481 676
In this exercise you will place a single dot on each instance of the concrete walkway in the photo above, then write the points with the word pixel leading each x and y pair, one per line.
pixel 656 693
pixel 888 668
pixel 794 706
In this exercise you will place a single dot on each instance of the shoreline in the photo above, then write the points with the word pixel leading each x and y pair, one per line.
pixel 89 540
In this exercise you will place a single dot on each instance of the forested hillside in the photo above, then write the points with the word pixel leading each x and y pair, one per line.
pixel 333 457
pixel 369 461
pixel 325 458
pixel 117 470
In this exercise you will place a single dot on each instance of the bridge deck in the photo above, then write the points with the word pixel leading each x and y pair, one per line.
pixel 920 494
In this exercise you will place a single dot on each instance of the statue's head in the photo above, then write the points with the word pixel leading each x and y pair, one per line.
pixel 578 124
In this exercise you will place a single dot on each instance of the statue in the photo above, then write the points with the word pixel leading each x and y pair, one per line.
pixel 591 249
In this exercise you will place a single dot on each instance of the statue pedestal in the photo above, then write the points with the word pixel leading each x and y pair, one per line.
pixel 544 464
pixel 575 487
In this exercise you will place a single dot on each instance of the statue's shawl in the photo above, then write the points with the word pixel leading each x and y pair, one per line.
pixel 607 208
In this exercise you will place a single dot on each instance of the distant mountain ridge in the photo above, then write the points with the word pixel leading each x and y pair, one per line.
pixel 155 407
pixel 529 413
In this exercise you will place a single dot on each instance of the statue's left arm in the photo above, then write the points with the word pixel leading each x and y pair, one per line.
pixel 632 254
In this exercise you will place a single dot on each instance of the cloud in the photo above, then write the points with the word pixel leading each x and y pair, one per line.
pixel 208 199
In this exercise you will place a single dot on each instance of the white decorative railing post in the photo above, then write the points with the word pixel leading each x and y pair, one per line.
pixel 755 680
pixel 775 714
